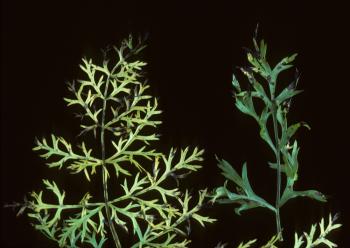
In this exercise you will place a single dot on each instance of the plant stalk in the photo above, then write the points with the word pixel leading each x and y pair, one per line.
pixel 278 158
pixel 105 172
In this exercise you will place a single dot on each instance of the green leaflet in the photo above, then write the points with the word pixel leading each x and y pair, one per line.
pixel 94 242
pixel 245 104
pixel 229 172
pixel 264 133
pixel 245 195
pixel 283 65
pixel 113 99
pixel 313 194
pixel 287 94
pixel 291 164
pixel 290 193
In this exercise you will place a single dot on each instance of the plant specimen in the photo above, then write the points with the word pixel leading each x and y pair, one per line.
pixel 122 118
pixel 275 130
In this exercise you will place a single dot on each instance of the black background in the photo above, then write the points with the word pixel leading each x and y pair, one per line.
pixel 192 53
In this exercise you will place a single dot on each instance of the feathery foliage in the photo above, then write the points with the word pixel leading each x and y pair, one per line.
pixel 123 118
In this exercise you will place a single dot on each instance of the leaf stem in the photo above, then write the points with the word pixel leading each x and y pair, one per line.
pixel 104 169
pixel 278 158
